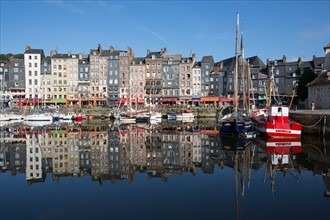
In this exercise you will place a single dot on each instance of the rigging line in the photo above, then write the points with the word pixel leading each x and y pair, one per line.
pixel 309 126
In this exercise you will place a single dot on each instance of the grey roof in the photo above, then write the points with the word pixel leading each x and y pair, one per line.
pixel 13 61
pixel 137 61
pixel 322 79
pixel 174 56
pixel 197 64
pixel 46 60
pixel 318 62
pixel 158 55
pixel 255 61
pixel 207 59
pixel 65 56
pixel 34 51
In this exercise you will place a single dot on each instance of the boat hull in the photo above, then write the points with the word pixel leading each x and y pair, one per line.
pixel 275 122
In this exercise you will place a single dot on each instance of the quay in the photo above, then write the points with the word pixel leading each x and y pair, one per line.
pixel 314 122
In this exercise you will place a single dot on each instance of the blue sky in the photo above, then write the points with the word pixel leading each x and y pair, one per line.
pixel 271 28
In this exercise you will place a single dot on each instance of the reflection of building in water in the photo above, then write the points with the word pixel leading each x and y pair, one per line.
pixel 114 154
pixel 34 169
pixel 186 149
pixel 12 151
pixel 210 149
pixel 154 153
pixel 138 146
pixel 171 149
pixel 118 153
pixel 197 148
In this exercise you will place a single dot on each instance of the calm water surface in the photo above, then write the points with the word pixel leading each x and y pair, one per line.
pixel 172 171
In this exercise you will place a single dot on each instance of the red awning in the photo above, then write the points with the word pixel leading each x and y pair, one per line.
pixel 226 99
pixel 139 101
pixel 121 101
pixel 168 100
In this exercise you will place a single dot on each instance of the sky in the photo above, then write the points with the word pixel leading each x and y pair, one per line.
pixel 271 29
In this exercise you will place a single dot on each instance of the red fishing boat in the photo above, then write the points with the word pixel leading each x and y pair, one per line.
pixel 274 121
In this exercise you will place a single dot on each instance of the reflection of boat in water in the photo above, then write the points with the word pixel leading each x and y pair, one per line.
pixel 37 123
pixel 280 158
pixel 279 149
pixel 234 143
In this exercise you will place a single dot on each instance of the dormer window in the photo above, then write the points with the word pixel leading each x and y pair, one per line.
pixel 153 57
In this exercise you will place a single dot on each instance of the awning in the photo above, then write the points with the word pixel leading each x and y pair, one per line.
pixel 121 101
pixel 226 99
pixel 210 99
pixel 169 99
pixel 31 101
pixel 58 101
pixel 139 100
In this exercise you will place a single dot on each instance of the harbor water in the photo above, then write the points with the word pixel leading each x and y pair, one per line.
pixel 173 170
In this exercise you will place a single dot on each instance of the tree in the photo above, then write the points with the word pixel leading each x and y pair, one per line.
pixel 307 77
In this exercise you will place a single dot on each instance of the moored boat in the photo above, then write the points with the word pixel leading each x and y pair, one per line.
pixel 274 121
pixel 4 117
pixel 39 117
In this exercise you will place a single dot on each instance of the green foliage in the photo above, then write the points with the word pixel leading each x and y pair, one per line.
pixel 7 57
pixel 4 57
pixel 19 56
pixel 302 90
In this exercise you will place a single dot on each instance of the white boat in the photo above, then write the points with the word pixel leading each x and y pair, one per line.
pixel 15 117
pixel 68 116
pixel 127 120
pixel 4 117
pixel 39 117
pixel 185 116
pixel 37 123
pixel 156 116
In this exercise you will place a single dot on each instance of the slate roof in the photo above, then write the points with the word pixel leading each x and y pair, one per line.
pixel 322 79
pixel 137 61
pixel 197 64
pixel 255 61
pixel 175 57
pixel 34 51
pixel 207 59
pixel 65 56
pixel 158 55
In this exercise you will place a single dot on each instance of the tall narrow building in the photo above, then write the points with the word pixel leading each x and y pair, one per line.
pixel 33 77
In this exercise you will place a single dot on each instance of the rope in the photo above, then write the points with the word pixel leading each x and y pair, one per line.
pixel 309 126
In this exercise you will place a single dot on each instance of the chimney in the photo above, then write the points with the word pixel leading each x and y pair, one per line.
pixel 193 57
pixel 53 52
pixel 27 47
pixel 80 56
pixel 99 48
pixel 284 58
pixel 148 51
pixel 130 54
pixel 112 49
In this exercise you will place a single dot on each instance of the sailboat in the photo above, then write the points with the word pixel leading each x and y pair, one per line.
pixel 234 124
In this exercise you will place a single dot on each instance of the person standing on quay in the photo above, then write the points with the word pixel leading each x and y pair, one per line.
pixel 313 105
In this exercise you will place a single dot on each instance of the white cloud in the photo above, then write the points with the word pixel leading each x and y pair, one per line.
pixel 315 34
pixel 154 34
pixel 63 4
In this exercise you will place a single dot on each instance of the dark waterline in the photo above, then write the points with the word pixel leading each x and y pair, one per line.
pixel 224 184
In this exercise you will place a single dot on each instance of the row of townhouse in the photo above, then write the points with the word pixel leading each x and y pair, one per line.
pixel 109 77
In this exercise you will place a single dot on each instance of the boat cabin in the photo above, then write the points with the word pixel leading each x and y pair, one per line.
pixel 278 113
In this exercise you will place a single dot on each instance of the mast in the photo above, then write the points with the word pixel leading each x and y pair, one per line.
pixel 248 87
pixel 236 67
pixel 243 72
